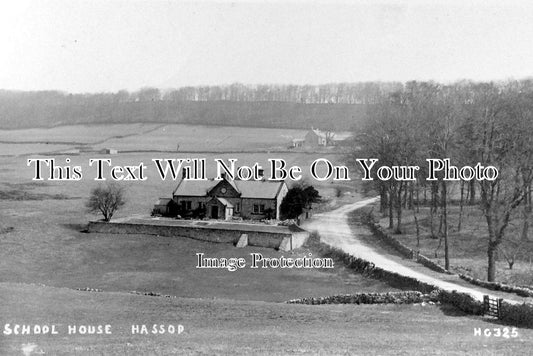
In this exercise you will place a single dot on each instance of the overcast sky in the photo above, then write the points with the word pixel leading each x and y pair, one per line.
pixel 89 46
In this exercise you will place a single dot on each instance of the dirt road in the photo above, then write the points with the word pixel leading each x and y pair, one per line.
pixel 336 230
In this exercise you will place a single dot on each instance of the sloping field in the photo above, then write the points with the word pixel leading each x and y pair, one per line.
pixel 218 326
pixel 206 138
pixel 155 137
pixel 10 149
pixel 74 133
pixel 151 137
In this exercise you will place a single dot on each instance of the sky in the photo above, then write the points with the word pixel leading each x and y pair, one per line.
pixel 95 46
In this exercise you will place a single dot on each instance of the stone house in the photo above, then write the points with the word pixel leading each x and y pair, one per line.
pixel 318 138
pixel 315 138
pixel 223 199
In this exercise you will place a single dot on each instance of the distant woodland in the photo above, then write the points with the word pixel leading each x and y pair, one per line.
pixel 331 106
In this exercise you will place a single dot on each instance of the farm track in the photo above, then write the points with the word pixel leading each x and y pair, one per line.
pixel 75 143
pixel 129 135
pixel 336 229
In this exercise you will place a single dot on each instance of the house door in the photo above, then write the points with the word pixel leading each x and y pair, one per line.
pixel 214 212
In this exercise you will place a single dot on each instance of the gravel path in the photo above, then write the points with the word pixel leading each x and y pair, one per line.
pixel 336 230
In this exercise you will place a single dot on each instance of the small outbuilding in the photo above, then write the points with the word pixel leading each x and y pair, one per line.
pixel 110 151
pixel 162 206
pixel 298 142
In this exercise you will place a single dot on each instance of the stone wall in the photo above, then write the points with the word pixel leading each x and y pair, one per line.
pixel 206 233
pixel 406 297
pixel 521 291
pixel 402 248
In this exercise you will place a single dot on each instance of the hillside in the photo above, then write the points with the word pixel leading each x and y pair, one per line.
pixel 47 109
pixel 253 327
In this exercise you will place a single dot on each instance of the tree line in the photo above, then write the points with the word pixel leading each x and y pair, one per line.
pixel 333 93
pixel 291 106
pixel 489 123
pixel 52 108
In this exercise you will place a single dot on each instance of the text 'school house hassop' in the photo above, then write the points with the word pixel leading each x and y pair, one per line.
pixel 226 198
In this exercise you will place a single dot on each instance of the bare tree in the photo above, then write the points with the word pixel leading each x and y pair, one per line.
pixel 106 200
pixel 445 134
pixel 330 138
pixel 503 140
pixel 526 214
pixel 512 249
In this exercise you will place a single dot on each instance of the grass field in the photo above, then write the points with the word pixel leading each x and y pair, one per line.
pixel 155 137
pixel 9 149
pixel 62 256
pixel 207 138
pixel 221 327
pixel 46 245
pixel 74 133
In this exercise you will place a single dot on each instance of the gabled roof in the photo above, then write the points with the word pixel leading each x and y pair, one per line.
pixel 163 201
pixel 195 188
pixel 225 202
pixel 319 133
pixel 263 189
pixel 232 183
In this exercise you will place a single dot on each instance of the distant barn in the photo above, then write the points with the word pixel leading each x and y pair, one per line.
pixel 315 138
pixel 110 151
pixel 298 142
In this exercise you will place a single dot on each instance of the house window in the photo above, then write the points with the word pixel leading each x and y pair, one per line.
pixel 186 204
pixel 259 208
pixel 237 207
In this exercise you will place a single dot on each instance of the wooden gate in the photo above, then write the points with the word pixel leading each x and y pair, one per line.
pixel 492 306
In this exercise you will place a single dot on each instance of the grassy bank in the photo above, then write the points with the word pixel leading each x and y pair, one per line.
pixel 223 327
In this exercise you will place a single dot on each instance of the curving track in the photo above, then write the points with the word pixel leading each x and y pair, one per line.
pixel 335 230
